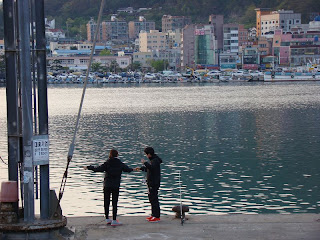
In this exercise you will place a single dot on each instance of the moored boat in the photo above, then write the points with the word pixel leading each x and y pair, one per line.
pixel 291 76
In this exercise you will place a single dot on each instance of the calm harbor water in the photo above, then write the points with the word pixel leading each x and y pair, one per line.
pixel 241 147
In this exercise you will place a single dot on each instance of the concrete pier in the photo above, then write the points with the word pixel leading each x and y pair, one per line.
pixel 225 227
pixel 213 227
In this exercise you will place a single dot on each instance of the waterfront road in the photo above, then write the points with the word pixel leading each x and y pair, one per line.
pixel 214 227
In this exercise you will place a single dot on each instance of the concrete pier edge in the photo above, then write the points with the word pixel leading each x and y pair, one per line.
pixel 215 227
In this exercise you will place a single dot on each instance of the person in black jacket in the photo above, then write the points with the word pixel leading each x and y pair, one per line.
pixel 153 181
pixel 113 169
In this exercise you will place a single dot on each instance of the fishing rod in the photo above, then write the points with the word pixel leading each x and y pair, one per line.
pixel 3 161
pixel 72 145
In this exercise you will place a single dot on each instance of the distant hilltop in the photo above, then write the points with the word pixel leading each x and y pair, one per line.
pixel 73 15
pixel 237 11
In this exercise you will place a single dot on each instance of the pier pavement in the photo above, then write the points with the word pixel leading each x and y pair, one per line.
pixel 214 227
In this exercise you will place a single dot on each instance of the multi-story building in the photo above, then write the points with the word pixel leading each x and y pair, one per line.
pixel 142 25
pixel 174 22
pixel 174 38
pixel 217 22
pixel 172 56
pixel 153 40
pixel 231 37
pixel 54 34
pixel 228 60
pixel 66 46
pixel 295 49
pixel 81 62
pixel 91 28
pixel 187 46
pixel 114 30
pixel 259 13
pixel 205 47
pixel 281 19
pixel 243 35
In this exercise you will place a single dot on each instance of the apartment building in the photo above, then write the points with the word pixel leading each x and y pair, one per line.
pixel 174 38
pixel 114 30
pixel 295 49
pixel 231 37
pixel 142 25
pixel 153 40
pixel 217 21
pixel 281 19
pixel 187 46
pixel 259 13
pixel 174 22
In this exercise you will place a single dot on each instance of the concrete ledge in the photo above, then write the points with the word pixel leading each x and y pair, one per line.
pixel 225 227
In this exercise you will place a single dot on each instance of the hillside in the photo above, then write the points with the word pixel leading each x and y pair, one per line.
pixel 76 13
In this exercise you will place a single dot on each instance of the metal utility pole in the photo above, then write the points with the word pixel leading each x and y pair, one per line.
pixel 13 123
pixel 26 102
pixel 42 104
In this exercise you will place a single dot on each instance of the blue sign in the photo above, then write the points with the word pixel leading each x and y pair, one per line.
pixel 228 65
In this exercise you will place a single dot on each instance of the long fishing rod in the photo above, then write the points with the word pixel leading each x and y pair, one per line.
pixel 71 148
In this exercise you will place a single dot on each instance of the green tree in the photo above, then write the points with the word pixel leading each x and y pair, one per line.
pixel 135 66
pixel 105 52
pixel 95 67
pixel 56 65
pixel 114 66
pixel 159 65
pixel 69 24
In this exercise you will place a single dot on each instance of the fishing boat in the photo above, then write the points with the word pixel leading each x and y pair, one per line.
pixel 291 76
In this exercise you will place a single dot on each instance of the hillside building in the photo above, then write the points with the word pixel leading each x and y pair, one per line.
pixel 296 49
pixel 153 40
pixel 271 21
pixel 142 25
pixel 217 21
pixel 231 37
pixel 205 47
pixel 187 46
pixel 174 22
pixel 114 30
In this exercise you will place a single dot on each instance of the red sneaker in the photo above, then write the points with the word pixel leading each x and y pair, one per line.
pixel 154 219
pixel 148 218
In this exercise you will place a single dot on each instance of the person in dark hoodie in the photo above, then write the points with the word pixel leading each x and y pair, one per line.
pixel 113 169
pixel 152 167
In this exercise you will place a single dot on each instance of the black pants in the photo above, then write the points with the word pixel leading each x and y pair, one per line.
pixel 154 201
pixel 115 196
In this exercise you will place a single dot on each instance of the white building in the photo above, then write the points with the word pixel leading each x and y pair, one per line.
pixel 81 62
pixel 153 40
pixel 54 34
pixel 66 46
pixel 281 19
